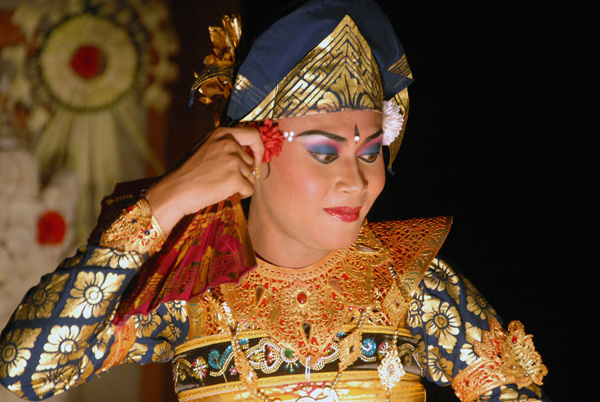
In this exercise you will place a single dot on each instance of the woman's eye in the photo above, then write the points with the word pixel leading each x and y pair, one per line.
pixel 324 158
pixel 369 158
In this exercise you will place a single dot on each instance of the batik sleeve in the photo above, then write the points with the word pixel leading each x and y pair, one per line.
pixel 465 345
pixel 63 331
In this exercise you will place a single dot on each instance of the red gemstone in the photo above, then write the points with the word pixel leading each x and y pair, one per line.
pixel 302 298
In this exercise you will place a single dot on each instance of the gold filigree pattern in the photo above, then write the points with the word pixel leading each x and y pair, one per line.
pixel 339 73
pixel 91 294
pixel 135 229
pixel 442 321
pixel 248 307
pixel 41 303
pixel 146 324
pixel 349 348
pixel 305 308
pixel 441 278
pixel 440 369
pixel 215 81
pixel 162 353
pixel 61 378
pixel 136 353
pixel 111 258
pixel 15 351
pixel 65 344
pixel 504 358
pixel 413 244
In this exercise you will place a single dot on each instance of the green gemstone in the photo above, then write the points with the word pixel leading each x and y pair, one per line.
pixel 288 354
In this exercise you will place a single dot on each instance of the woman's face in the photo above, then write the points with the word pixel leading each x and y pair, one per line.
pixel 319 188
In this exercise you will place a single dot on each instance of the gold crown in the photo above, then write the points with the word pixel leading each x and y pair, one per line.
pixel 339 73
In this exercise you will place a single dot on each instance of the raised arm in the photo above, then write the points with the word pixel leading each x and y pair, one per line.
pixel 63 330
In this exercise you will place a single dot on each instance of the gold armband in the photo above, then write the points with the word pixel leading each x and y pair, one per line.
pixel 135 229
pixel 504 358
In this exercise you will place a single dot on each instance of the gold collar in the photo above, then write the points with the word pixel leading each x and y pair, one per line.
pixel 305 308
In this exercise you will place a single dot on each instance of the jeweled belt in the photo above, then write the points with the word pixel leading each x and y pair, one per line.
pixel 208 363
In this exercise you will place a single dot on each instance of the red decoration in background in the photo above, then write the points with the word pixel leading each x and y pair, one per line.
pixel 88 61
pixel 51 228
pixel 272 137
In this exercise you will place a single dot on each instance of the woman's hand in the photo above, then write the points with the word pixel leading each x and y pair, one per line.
pixel 218 169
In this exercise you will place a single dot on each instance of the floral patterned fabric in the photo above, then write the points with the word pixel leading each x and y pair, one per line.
pixel 449 315
pixel 63 333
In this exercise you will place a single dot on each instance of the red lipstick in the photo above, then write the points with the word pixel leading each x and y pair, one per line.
pixel 345 214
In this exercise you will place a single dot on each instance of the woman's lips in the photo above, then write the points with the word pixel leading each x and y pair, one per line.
pixel 345 214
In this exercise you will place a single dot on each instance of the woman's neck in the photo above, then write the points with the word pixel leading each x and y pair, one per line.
pixel 278 249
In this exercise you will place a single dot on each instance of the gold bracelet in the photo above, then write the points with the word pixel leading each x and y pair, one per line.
pixel 135 229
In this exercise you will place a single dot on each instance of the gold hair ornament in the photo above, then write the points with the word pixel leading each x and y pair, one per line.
pixel 215 82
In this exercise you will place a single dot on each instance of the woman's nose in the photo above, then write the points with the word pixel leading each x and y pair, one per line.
pixel 351 178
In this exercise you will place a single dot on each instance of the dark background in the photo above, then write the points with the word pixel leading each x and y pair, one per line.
pixel 501 134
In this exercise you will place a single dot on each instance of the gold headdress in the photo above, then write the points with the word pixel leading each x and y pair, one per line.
pixel 329 66
pixel 339 73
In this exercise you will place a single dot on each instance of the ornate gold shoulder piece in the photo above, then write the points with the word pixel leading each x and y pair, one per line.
pixel 504 358
pixel 339 73
pixel 413 244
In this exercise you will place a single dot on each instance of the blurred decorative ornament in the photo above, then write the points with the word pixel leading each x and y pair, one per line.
pixel 51 228
pixel 85 75
pixel 88 63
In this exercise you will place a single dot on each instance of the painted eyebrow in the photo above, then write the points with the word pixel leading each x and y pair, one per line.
pixel 335 137
pixel 371 137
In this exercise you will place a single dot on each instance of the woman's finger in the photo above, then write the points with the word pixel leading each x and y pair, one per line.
pixel 246 137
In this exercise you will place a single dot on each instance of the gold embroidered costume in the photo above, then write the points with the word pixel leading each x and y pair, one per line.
pixel 382 310
pixel 367 322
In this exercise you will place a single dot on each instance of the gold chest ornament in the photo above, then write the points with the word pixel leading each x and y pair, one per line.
pixel 304 308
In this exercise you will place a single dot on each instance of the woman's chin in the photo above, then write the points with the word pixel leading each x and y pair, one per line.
pixel 338 239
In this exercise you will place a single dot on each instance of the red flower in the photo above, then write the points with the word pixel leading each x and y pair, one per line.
pixel 51 228
pixel 272 137
pixel 87 61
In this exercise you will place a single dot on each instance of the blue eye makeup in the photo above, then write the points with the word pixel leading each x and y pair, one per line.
pixel 322 152
pixel 322 148
pixel 325 147
pixel 370 151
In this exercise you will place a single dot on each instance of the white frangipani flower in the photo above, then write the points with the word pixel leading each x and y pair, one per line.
pixel 392 122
